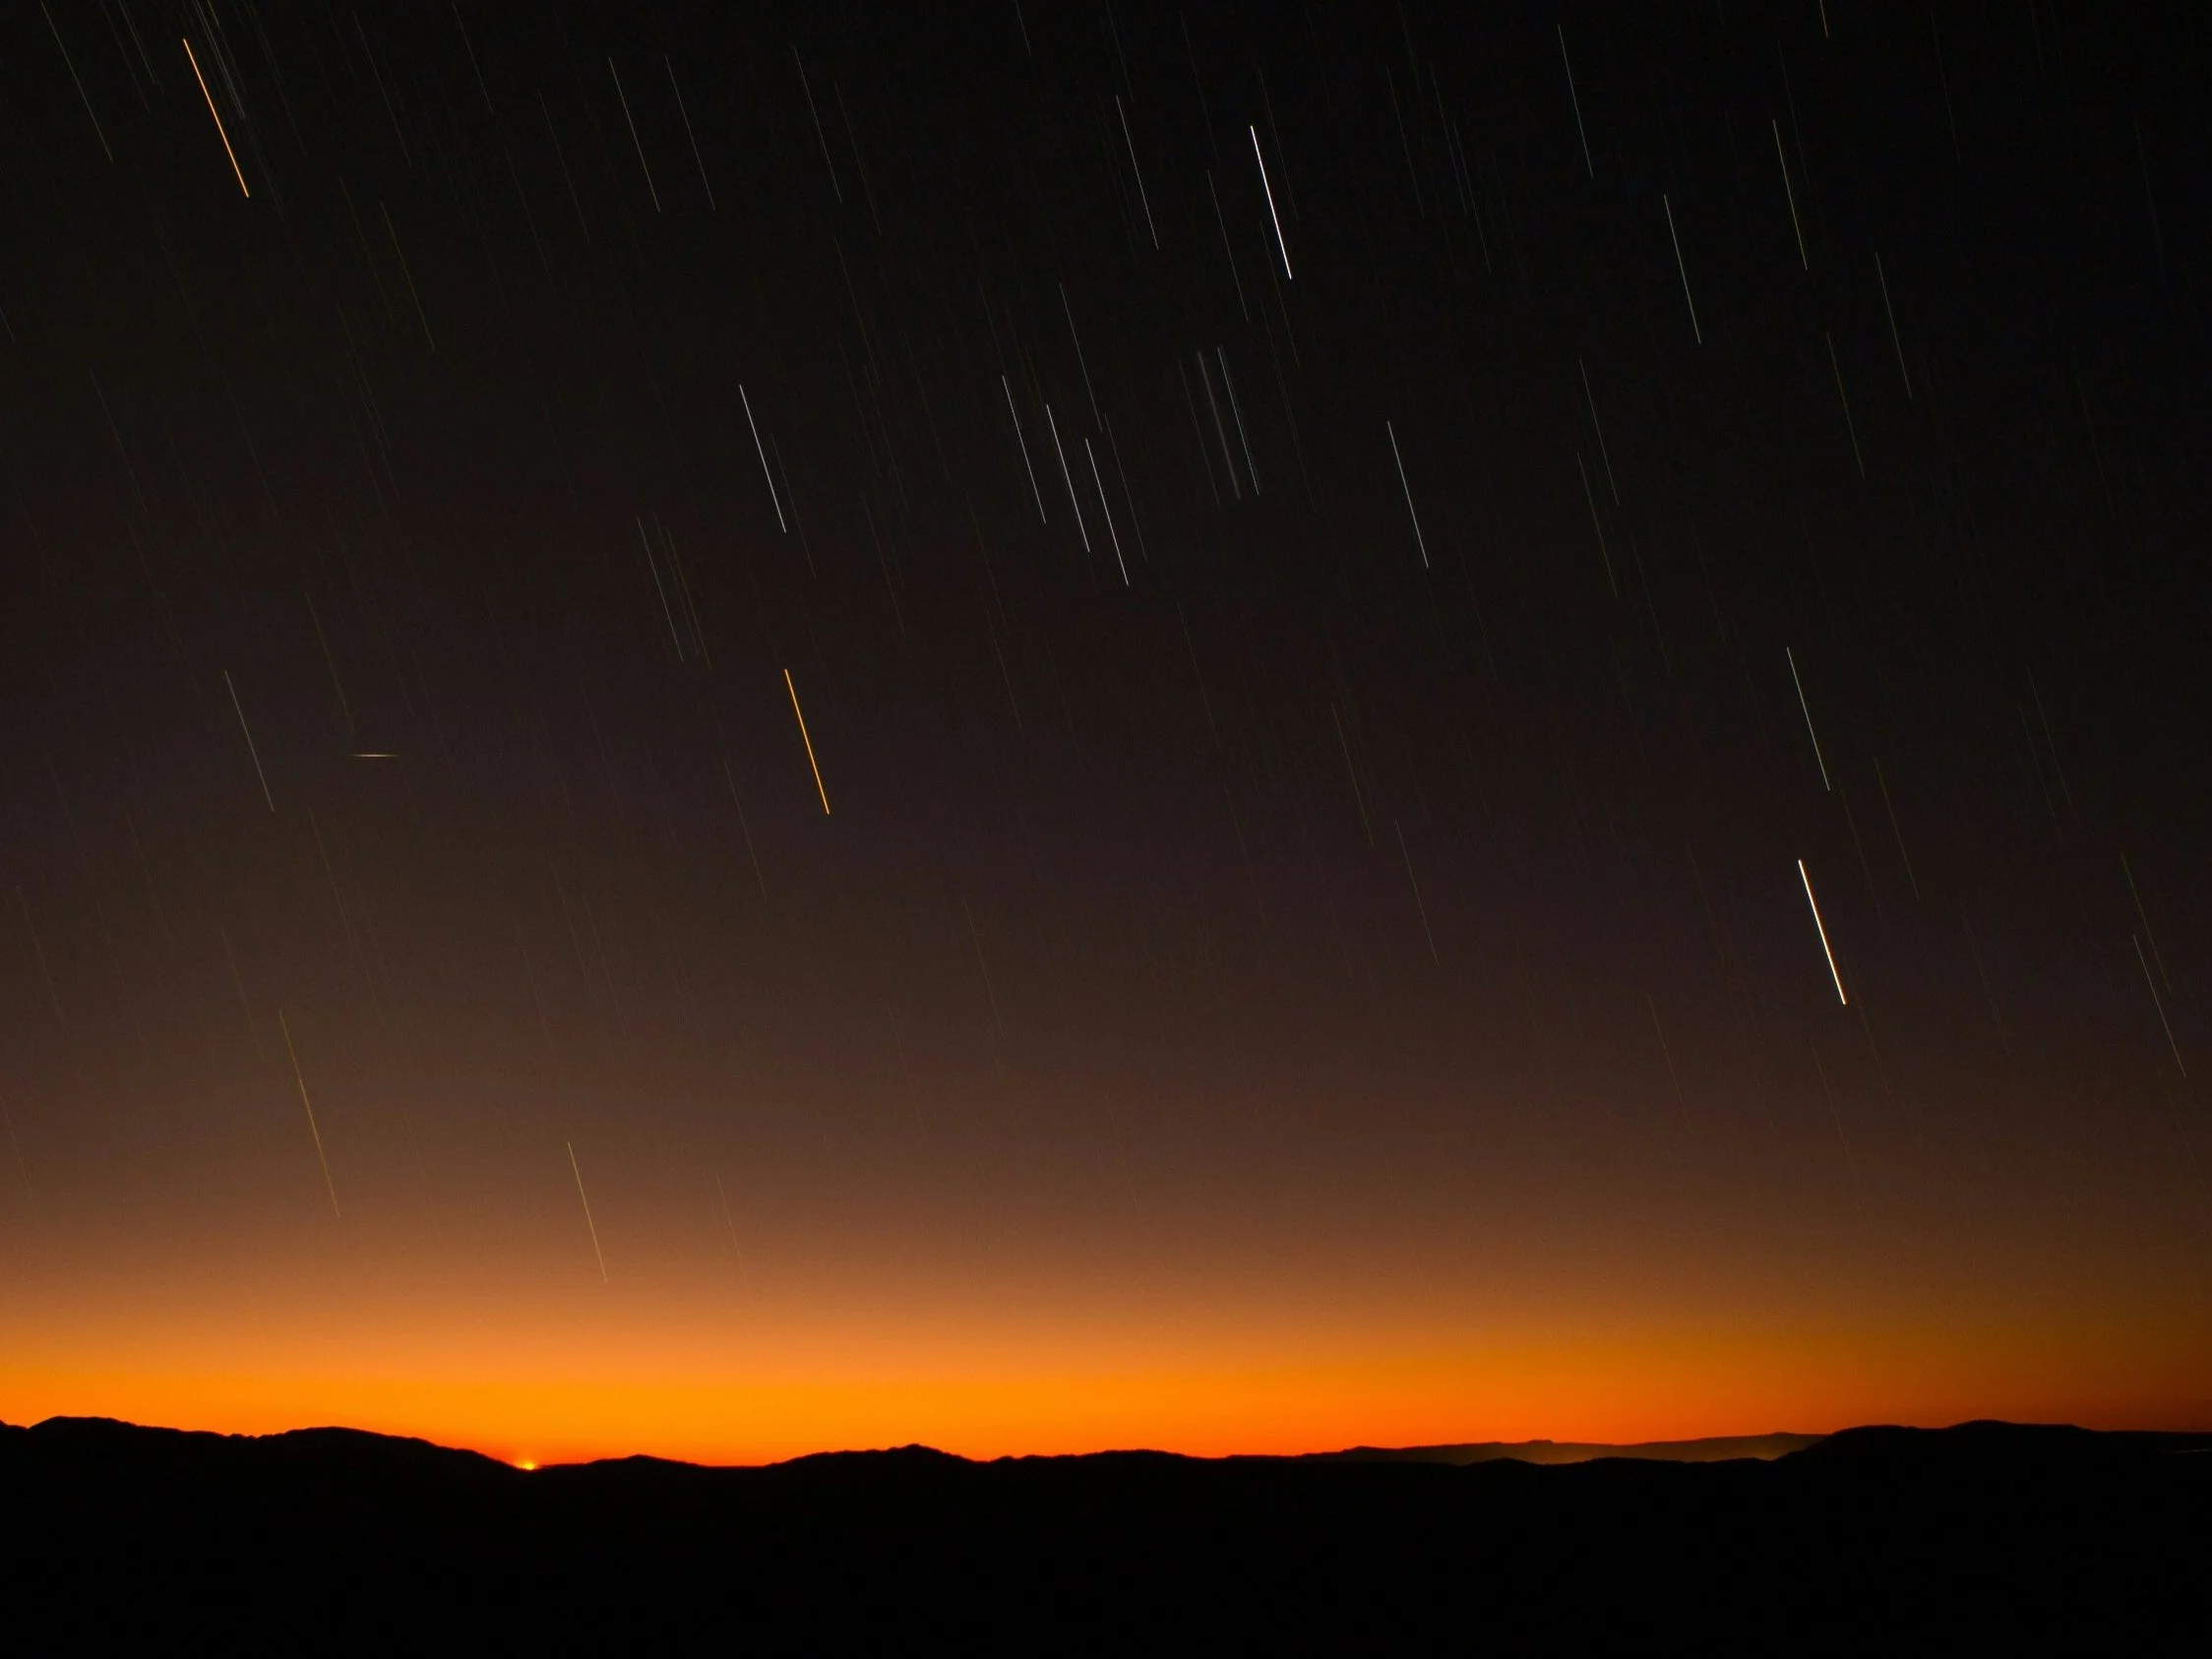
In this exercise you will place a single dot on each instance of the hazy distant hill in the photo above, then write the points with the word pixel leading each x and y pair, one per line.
pixel 323 1536
pixel 1714 1450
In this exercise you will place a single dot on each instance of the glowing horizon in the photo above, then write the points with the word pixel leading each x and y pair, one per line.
pixel 701 1368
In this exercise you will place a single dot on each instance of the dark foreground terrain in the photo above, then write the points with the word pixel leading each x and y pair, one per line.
pixel 329 1537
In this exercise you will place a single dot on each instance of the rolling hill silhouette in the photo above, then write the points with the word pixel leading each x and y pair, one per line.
pixel 324 1535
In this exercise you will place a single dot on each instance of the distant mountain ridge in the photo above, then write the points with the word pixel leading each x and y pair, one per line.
pixel 338 1447
pixel 343 1444
pixel 1790 1542
pixel 1713 1448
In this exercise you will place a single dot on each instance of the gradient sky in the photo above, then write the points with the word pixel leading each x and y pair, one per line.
pixel 1334 562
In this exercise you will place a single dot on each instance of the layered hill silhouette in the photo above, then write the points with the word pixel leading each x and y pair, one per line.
pixel 1717 1448
pixel 322 1535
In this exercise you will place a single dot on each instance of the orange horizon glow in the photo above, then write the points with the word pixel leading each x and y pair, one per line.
pixel 936 1328
pixel 499 1398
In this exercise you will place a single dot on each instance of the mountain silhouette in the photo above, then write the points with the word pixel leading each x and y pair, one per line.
pixel 328 1537
pixel 1715 1449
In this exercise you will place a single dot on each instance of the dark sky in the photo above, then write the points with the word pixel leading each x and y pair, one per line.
pixel 1348 569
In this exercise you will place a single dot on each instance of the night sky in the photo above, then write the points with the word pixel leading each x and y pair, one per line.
pixel 731 731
